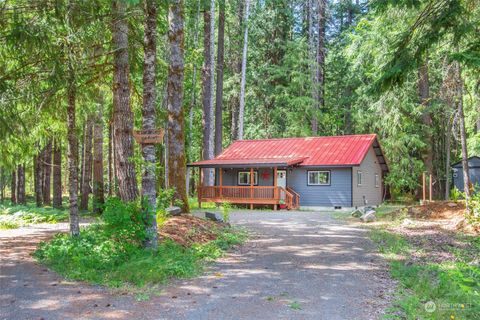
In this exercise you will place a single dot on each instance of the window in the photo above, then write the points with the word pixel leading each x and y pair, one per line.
pixel 377 180
pixel 318 178
pixel 359 178
pixel 244 178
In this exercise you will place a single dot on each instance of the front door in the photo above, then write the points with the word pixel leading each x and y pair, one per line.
pixel 282 178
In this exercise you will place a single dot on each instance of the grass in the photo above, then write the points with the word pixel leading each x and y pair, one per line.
pixel 15 216
pixel 452 286
pixel 95 259
pixel 112 254
pixel 295 305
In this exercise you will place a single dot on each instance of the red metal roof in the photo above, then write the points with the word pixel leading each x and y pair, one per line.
pixel 311 151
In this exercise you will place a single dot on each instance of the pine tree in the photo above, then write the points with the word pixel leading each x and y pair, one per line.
pixel 122 113
pixel 176 126
pixel 207 90
pixel 148 120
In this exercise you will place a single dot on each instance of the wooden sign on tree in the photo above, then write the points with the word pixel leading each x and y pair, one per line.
pixel 148 136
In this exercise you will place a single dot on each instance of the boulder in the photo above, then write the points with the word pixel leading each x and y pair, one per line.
pixel 356 213
pixel 452 204
pixel 369 217
pixel 367 209
pixel 173 211
pixel 213 216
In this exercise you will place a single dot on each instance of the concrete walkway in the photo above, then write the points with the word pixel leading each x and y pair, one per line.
pixel 298 265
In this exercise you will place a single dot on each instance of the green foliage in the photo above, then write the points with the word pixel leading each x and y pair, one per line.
pixel 226 208
pixel 15 216
pixel 111 253
pixel 295 305
pixel 165 198
pixel 456 194
pixel 124 222
pixel 4 225
pixel 474 218
pixel 452 286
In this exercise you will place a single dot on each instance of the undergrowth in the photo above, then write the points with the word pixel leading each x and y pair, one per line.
pixel 112 254
pixel 451 287
pixel 15 216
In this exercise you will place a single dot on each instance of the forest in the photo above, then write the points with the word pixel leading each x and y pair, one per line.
pixel 78 77
pixel 83 82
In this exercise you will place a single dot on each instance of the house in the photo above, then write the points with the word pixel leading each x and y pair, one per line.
pixel 473 172
pixel 313 172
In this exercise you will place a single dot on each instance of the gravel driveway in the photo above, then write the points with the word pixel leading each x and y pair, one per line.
pixel 298 265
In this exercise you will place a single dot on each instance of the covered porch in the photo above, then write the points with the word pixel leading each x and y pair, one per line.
pixel 252 182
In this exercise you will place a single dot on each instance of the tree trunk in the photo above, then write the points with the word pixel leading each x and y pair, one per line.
pixel 176 127
pixel 110 158
pixel 98 185
pixel 81 161
pixel 13 188
pixel 424 95
pixel 21 184
pixel 87 164
pixel 122 114
pixel 72 152
pixel 38 179
pixel 219 92
pixel 447 161
pixel 241 109
pixel 320 70
pixel 237 67
pixel 57 174
pixel 149 193
pixel 463 133
pixel 2 185
pixel 194 96
pixel 47 173
pixel 207 92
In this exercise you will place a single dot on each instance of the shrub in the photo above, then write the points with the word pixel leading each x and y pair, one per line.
pixel 456 194
pixel 111 252
pixel 226 207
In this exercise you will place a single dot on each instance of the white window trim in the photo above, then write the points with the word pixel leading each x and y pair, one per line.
pixel 359 181
pixel 319 184
pixel 255 178
pixel 377 180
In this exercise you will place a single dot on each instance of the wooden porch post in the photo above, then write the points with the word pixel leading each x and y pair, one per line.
pixel 199 188
pixel 220 178
pixel 251 187
pixel 275 191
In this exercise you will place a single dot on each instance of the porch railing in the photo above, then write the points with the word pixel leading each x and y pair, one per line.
pixel 248 194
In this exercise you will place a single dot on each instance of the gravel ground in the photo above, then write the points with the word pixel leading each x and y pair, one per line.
pixel 298 265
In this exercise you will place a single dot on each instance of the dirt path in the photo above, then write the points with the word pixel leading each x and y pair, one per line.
pixel 299 265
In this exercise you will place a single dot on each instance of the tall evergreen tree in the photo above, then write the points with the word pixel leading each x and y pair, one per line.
pixel 208 90
pixel 98 183
pixel 219 88
pixel 148 120
pixel 57 174
pixel 176 126
pixel 21 199
pixel 122 113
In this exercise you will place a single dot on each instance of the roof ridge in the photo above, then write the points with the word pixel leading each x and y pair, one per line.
pixel 314 137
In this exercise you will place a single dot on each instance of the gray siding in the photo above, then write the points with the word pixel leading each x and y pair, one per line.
pixel 473 171
pixel 367 193
pixel 338 193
